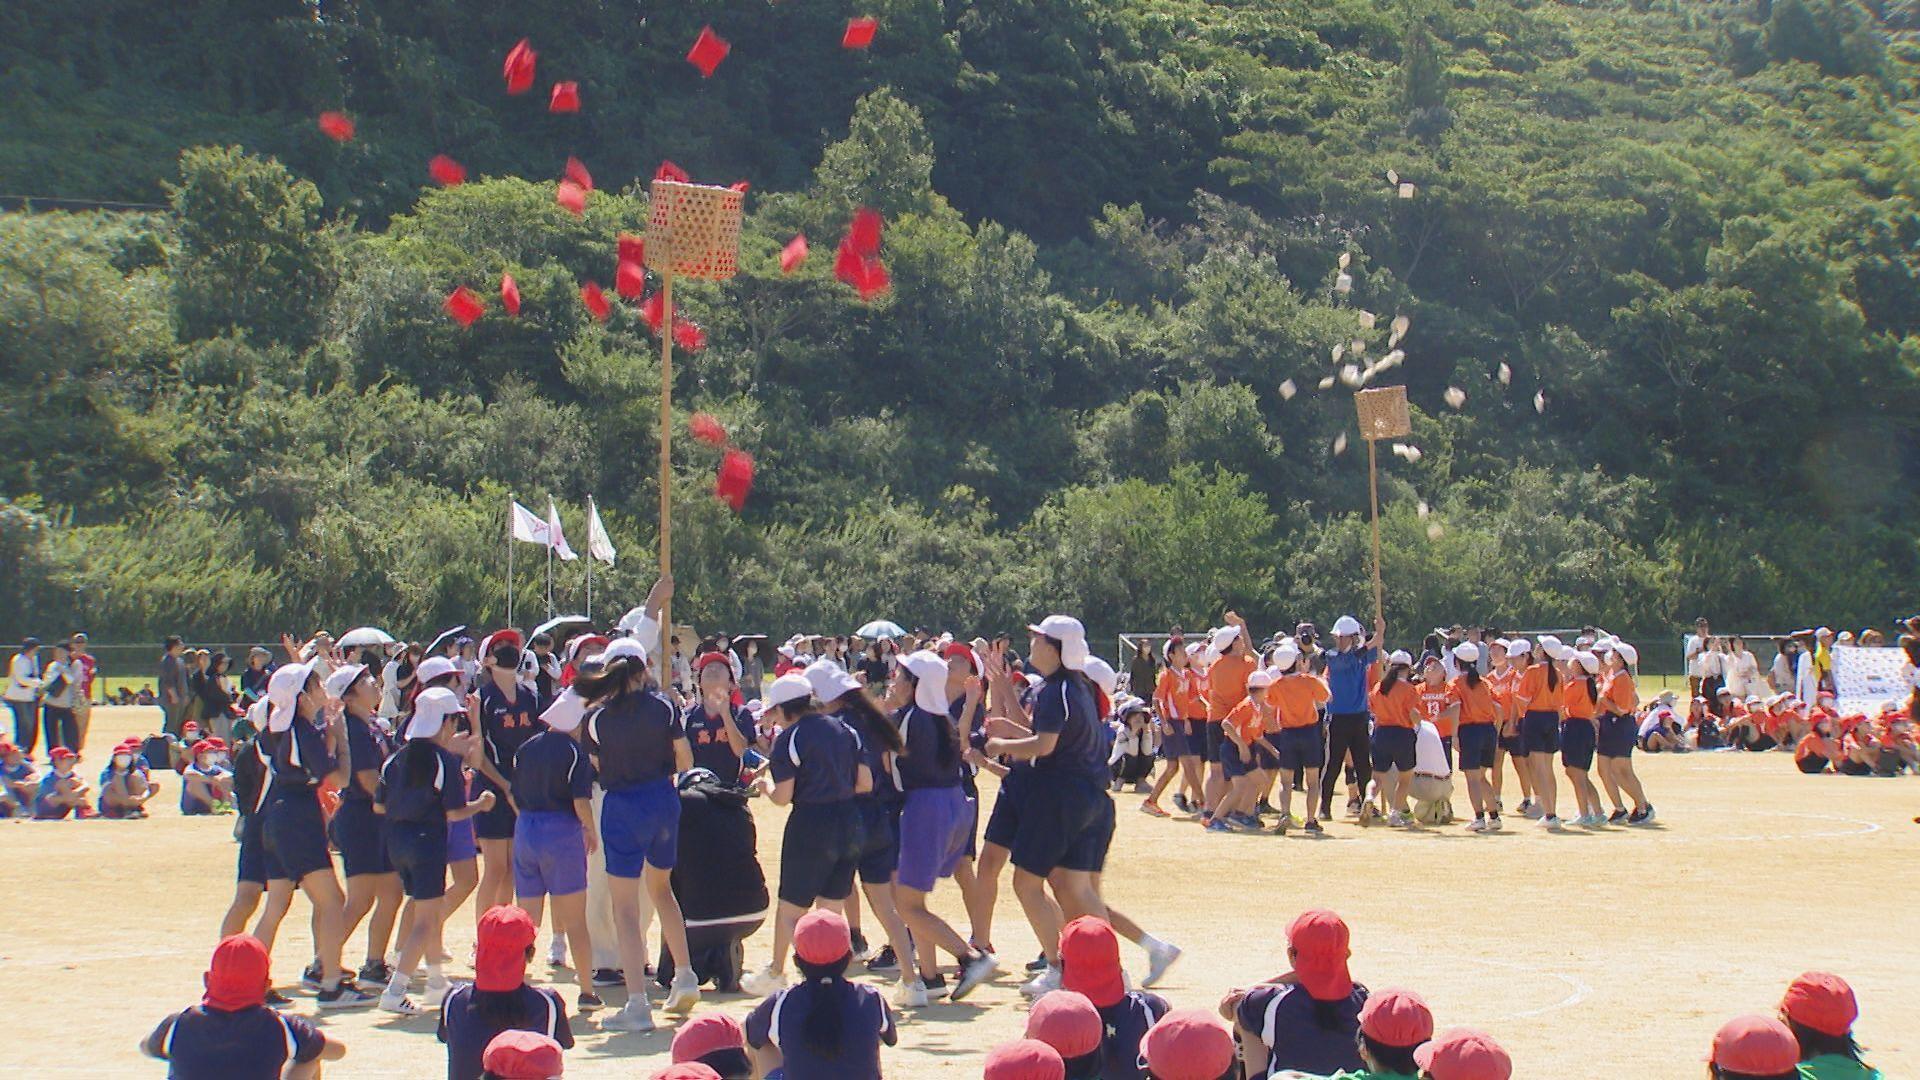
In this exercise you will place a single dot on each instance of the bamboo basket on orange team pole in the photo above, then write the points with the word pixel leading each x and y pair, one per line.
pixel 1383 415
pixel 694 231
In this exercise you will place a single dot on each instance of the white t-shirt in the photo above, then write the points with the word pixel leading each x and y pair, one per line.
pixel 23 677
pixel 1429 754
pixel 1695 646
pixel 1713 665
pixel 390 690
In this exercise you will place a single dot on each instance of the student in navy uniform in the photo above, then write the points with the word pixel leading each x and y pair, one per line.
pixel 1189 1045
pixel 359 834
pixel 420 790
pixel 966 689
pixel 825 1027
pixel 840 695
pixel 935 822
pixel 817 769
pixel 553 786
pixel 255 873
pixel 232 1034
pixel 463 851
pixel 1068 1022
pixel 522 1055
pixel 716 1041
pixel 308 749
pixel 719 733
pixel 61 793
pixel 506 713
pixel 499 998
pixel 1090 965
pixel 1309 1018
pixel 637 745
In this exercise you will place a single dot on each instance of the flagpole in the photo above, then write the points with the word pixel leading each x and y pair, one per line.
pixel 664 661
pixel 593 512
pixel 510 501
pixel 549 568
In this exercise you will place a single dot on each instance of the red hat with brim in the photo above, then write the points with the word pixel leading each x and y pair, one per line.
pixel 1321 945
pixel 1090 961
pixel 523 1055
pixel 1188 1044
pixel 500 948
pixel 238 976
pixel 1755 1045
pixel 1822 1002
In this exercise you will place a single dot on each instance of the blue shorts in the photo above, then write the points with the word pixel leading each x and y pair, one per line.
pixel 460 843
pixel 418 852
pixel 1173 740
pixel 1301 747
pixel 1577 739
pixel 359 835
pixel 496 822
pixel 1393 749
pixel 819 852
pixel 1003 822
pixel 1515 744
pixel 1541 732
pixel 1617 736
pixel 549 854
pixel 1231 763
pixel 640 827
pixel 255 864
pixel 1065 824
pixel 934 826
pixel 879 839
pixel 296 834
pixel 1477 743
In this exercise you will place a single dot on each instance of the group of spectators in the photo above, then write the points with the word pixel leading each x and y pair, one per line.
pixel 55 697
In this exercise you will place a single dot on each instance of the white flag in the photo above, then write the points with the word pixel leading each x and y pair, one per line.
pixel 599 544
pixel 526 525
pixel 557 535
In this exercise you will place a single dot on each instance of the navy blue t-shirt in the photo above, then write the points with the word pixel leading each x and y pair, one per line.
pixel 255 1043
pixel 506 723
pixel 874 753
pixel 821 756
pixel 865 1023
pixel 1127 1021
pixel 300 759
pixel 1285 1018
pixel 919 765
pixel 1064 707
pixel 711 751
pixel 467 1033
pixel 634 737
pixel 427 800
pixel 367 749
pixel 549 772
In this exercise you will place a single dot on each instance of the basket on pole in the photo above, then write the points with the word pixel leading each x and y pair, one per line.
pixel 693 230
pixel 1383 415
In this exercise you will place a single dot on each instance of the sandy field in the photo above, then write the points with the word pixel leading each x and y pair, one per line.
pixel 1610 953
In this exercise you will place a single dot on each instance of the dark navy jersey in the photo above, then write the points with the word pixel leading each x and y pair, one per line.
pixel 1285 1019
pixel 367 751
pixel 506 723
pixel 255 1043
pixel 1064 707
pixel 1126 1022
pixel 633 738
pixel 821 756
pixel 874 753
pixel 300 758
pixel 865 1023
pixel 429 798
pixel 549 772
pixel 711 751
pixel 919 764
pixel 467 1032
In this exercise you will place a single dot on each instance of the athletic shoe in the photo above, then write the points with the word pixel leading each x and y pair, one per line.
pixel 1218 826
pixel 1532 810
pixel 1153 809
pixel 344 996
pixel 1641 817
pixel 1398 820
pixel 1617 817
pixel 557 951
pixel 608 977
pixel 1161 956
pixel 1141 787
pixel 884 961
pixel 1526 808
pixel 937 983
pixel 589 1001
pixel 1037 964
pixel 1551 822
pixel 1280 827
pixel 910 994
pixel 860 947
pixel 278 1000
pixel 1044 983
pixel 1493 822
pixel 401 1005
pixel 980 969
pixel 310 978
pixel 1313 827
pixel 1477 825
pixel 1355 807
pixel 1181 804
pixel 685 993
pixel 764 983
pixel 1117 785
pixel 635 1015
pixel 1263 807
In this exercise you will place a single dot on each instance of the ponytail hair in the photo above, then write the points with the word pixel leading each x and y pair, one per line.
pixel 1472 676
pixel 868 719
pixel 611 683
pixel 820 1030
pixel 942 724
pixel 1390 678
pixel 1593 688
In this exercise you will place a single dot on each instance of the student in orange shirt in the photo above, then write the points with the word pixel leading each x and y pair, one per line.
pixel 1509 657
pixel 1818 749
pixel 1394 701
pixel 1296 696
pixel 1226 688
pixel 1579 704
pixel 1619 730
pixel 1480 713
pixel 1182 710
pixel 1439 703
pixel 1537 699
pixel 1245 757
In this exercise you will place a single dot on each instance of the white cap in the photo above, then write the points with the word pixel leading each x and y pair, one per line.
pixel 1588 661
pixel 430 711
pixel 433 667
pixel 1287 655
pixel 1072 638
pixel 1103 675
pixel 1550 643
pixel 566 712
pixel 1258 678
pixel 342 678
pixel 1401 657
pixel 283 689
pixel 929 671
pixel 1466 652
pixel 790 687
pixel 620 647
pixel 829 680
pixel 1223 638
pixel 1347 626
pixel 1627 652
pixel 1519 645
pixel 1561 652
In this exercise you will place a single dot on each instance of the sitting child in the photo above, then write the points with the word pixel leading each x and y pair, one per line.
pixel 1704 726
pixel 1817 750
pixel 61 792
pixel 1659 730
pixel 1135 745
pixel 145 697
pixel 206 787
pixel 124 785
pixel 1898 749
pixel 1860 749
pixel 17 784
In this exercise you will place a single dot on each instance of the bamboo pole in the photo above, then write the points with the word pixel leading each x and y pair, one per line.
pixel 1373 492
pixel 664 663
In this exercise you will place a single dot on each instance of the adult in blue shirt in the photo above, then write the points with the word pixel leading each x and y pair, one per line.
pixel 1349 732
pixel 232 1034
pixel 554 834
pixel 506 713
pixel 824 1028
pixel 359 834
pixel 719 733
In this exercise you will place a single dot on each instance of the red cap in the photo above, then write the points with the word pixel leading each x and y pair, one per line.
pixel 1188 1044
pixel 707 52
pixel 500 948
pixel 735 479
pixel 688 1070
pixel 508 636
pixel 1066 1021
pixel 238 976
pixel 794 254
pixel 1756 1045
pixel 713 659
pixel 519 68
pixel 1397 1018
pixel 204 746
pixel 445 171
pixel 61 753
pixel 464 306
pixel 1822 1002
pixel 1090 961
pixel 571 196
pixel 632 248
pixel 1320 949
pixel 578 173
pixel 510 294
pixel 708 430
pixel 1465 1054
pixel 706 1034
pixel 1025 1059
pixel 630 280
pixel 595 300
pixel 338 126
pixel 962 650
pixel 821 937
pixel 688 335
pixel 523 1055
pixel 859 33
pixel 669 171
pixel 566 98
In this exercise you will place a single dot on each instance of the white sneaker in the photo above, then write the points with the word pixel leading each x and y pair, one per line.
pixel 438 987
pixel 1398 820
pixel 635 1015
pixel 399 1006
pixel 910 995
pixel 685 993
pixel 1532 810
pixel 979 970
pixel 764 983
pixel 1044 983
pixel 1161 956
pixel 1477 825
pixel 1551 823
pixel 557 951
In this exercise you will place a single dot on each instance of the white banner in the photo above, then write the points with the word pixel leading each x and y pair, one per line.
pixel 1864 679
pixel 526 526
pixel 556 536
pixel 599 544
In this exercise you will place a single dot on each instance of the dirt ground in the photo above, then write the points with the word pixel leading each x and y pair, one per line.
pixel 1589 954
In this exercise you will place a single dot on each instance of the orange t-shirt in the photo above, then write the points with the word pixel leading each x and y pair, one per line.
pixel 1395 708
pixel 1619 695
pixel 1244 722
pixel 1575 704
pixel 1814 744
pixel 1434 702
pixel 1180 688
pixel 1227 684
pixel 1534 691
pixel 1295 700
pixel 1478 704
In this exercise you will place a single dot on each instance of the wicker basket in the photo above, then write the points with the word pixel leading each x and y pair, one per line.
pixel 1383 412
pixel 695 230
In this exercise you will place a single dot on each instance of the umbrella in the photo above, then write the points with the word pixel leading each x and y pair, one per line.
pixel 880 630
pixel 363 636
pixel 445 639
pixel 556 623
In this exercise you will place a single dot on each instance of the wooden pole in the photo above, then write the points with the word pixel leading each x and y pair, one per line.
pixel 664 663
pixel 510 501
pixel 1373 492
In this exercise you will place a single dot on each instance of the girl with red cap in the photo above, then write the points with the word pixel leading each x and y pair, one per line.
pixel 824 1027
pixel 1090 965
pixel 1069 1023
pixel 1752 1048
pixel 232 1034
pixel 124 787
pixel 716 1041
pixel 499 998
pixel 1189 1045
pixel 1393 1026
pixel 522 1055
pixel 719 733
pixel 1820 1010
pixel 1309 1018
pixel 1024 1059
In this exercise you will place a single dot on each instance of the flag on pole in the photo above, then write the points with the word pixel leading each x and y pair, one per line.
pixel 527 526
pixel 557 536
pixel 599 544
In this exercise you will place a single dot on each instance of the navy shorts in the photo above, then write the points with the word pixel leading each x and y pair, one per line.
pixel 496 822
pixel 1232 764
pixel 1541 731
pixel 418 852
pixel 1063 825
pixel 359 835
pixel 968 785
pixel 880 840
pixel 934 826
pixel 1393 749
pixel 255 864
pixel 1515 744
pixel 1194 741
pixel 1300 748
pixel 640 827
pixel 1091 853
pixel 460 843
pixel 1577 739
pixel 1003 823
pixel 1476 746
pixel 819 853
pixel 1173 740
pixel 296 834
pixel 549 854
pixel 1617 736
pixel 1208 735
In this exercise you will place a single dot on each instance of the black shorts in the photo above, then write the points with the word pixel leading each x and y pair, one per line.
pixel 820 852
pixel 1541 731
pixel 1811 764
pixel 1232 764
pixel 1393 748
pixel 1476 746
pixel 1003 823
pixel 1206 734
pixel 880 840
pixel 296 834
pixel 497 822
pixel 1851 767
pixel 1173 740
pixel 1577 741
pixel 255 864
pixel 1617 736
pixel 1515 744
pixel 359 835
pixel 1066 823
pixel 418 853
pixel 1300 748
